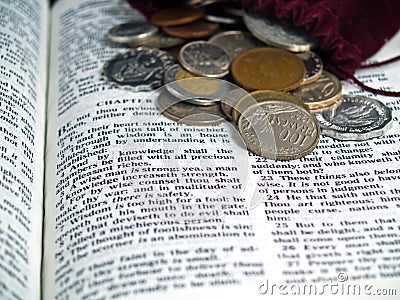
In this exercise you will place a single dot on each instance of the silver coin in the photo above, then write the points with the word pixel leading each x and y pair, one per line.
pixel 279 130
pixel 355 118
pixel 130 32
pixel 196 90
pixel 235 41
pixel 278 33
pixel 205 59
pixel 158 40
pixel 314 66
pixel 140 69
pixel 186 113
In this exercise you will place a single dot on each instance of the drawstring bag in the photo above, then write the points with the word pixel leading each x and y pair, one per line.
pixel 348 31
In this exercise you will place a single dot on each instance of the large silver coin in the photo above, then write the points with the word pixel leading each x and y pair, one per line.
pixel 140 69
pixel 278 33
pixel 279 130
pixel 235 41
pixel 158 40
pixel 314 66
pixel 196 90
pixel 205 59
pixel 186 113
pixel 355 118
pixel 130 32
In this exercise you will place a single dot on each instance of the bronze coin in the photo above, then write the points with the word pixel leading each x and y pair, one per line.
pixel 178 15
pixel 267 68
pixel 195 30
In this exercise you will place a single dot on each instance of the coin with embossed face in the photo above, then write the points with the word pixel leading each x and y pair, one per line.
pixel 278 33
pixel 314 66
pixel 355 118
pixel 268 68
pixel 177 15
pixel 279 130
pixel 325 91
pixel 140 69
pixel 186 113
pixel 205 59
pixel 131 32
pixel 235 41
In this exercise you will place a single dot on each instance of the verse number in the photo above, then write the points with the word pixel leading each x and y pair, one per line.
pixel 281 225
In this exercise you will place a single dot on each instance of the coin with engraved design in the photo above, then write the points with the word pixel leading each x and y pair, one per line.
pixel 356 118
pixel 205 59
pixel 279 130
pixel 140 69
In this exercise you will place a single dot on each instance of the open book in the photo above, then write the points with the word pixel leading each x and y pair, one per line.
pixel 97 188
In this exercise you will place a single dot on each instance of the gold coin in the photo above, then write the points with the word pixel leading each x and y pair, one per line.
pixel 178 15
pixel 260 96
pixel 267 68
pixel 202 85
pixel 323 92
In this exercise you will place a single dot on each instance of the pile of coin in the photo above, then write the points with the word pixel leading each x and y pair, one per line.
pixel 255 70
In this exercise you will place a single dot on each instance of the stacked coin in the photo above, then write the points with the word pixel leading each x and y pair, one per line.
pixel 255 70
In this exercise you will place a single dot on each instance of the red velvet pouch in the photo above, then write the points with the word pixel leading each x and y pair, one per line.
pixel 348 31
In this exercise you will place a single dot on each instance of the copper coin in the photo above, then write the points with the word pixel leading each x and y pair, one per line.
pixel 268 68
pixel 178 15
pixel 321 93
pixel 195 30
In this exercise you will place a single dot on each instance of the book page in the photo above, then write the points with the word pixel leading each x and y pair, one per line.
pixel 138 205
pixel 23 71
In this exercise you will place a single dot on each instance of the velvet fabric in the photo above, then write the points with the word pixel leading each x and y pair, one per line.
pixel 348 31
